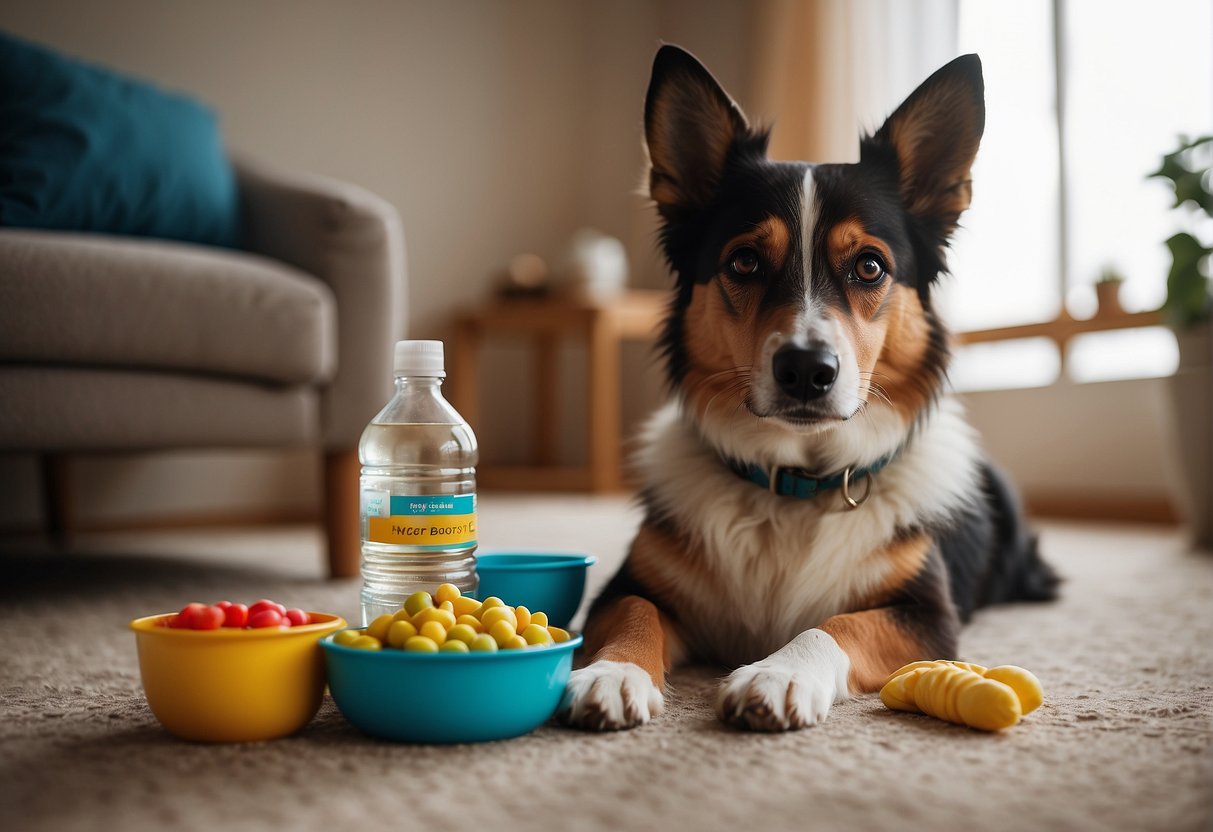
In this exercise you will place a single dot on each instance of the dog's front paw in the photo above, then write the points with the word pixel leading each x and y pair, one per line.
pixel 608 696
pixel 768 697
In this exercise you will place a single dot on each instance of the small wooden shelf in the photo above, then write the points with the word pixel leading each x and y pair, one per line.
pixel 603 325
pixel 1064 328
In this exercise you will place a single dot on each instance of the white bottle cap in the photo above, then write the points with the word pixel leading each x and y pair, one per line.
pixel 419 358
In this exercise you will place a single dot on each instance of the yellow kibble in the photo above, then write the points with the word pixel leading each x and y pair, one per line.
pixel 417 602
pixel 494 614
pixel 534 634
pixel 470 621
pixel 399 633
pixel 421 644
pixel 502 632
pixel 488 604
pixel 451 622
pixel 484 643
pixel 434 631
pixel 461 632
pixel 346 636
pixel 464 605
pixel 379 627
pixel 444 617
pixel 447 592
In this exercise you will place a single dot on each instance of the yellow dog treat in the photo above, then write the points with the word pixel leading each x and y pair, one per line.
pixel 964 693
pixel 449 621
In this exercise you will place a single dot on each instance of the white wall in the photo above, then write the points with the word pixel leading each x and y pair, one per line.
pixel 1081 442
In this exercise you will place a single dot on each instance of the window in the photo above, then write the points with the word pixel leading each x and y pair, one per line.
pixel 1083 99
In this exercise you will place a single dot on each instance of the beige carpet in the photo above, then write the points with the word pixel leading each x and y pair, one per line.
pixel 1123 740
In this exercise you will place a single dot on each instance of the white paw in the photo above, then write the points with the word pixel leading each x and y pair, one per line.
pixel 792 688
pixel 773 698
pixel 608 696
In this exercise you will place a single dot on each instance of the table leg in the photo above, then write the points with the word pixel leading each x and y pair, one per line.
pixel 603 406
pixel 465 372
pixel 547 398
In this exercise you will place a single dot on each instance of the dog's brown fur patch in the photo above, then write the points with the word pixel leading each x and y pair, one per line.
pixel 771 238
pixel 667 567
pixel 864 325
pixel 726 324
pixel 903 559
pixel 876 644
pixel 897 374
pixel 632 630
pixel 720 346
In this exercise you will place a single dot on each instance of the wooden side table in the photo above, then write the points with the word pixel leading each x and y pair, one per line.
pixel 603 325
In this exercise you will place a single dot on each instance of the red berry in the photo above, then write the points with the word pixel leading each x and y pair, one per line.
pixel 266 604
pixel 208 618
pixel 264 618
pixel 298 617
pixel 189 615
pixel 223 605
pixel 236 615
pixel 178 622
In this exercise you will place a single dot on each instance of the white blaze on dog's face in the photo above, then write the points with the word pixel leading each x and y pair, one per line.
pixel 803 290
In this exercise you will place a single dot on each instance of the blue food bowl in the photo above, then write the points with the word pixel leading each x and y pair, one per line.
pixel 553 583
pixel 448 697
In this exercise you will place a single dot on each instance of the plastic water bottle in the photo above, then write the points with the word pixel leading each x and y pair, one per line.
pixel 418 507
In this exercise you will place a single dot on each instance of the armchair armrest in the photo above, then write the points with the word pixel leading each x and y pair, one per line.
pixel 352 240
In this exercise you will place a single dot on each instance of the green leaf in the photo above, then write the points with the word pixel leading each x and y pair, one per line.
pixel 1188 300
pixel 1187 175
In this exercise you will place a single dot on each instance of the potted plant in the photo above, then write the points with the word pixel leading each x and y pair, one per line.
pixel 1107 292
pixel 1187 310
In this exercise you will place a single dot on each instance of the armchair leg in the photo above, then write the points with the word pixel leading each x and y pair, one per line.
pixel 57 498
pixel 341 507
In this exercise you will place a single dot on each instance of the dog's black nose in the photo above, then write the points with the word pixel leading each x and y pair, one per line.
pixel 805 373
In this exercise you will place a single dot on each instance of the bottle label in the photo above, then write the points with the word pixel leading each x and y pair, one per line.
pixel 432 521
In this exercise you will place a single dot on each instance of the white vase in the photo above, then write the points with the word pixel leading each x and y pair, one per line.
pixel 1191 394
pixel 597 266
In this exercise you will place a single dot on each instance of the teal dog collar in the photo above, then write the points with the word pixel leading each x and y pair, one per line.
pixel 787 481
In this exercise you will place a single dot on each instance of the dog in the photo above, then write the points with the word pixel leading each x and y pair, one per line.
pixel 818 512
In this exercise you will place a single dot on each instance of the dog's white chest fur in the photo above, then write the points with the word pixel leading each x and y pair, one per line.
pixel 776 566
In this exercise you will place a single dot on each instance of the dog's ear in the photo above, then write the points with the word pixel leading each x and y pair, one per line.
pixel 690 124
pixel 934 135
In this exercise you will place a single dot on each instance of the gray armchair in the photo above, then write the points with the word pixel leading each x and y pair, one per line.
pixel 124 344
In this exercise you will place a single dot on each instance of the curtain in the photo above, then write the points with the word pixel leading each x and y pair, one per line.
pixel 823 70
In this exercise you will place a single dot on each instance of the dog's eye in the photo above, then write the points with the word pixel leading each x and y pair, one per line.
pixel 869 268
pixel 744 262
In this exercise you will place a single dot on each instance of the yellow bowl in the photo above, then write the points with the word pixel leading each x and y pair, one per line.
pixel 233 685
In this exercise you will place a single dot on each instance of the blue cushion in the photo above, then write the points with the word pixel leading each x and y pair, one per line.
pixel 86 149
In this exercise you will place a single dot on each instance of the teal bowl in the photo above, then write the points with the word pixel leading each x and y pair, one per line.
pixel 448 697
pixel 553 583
